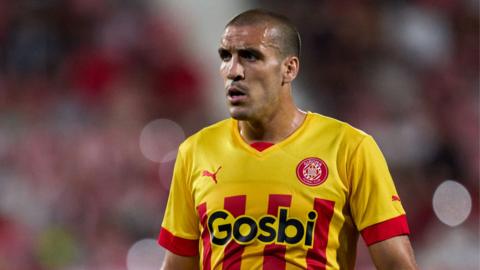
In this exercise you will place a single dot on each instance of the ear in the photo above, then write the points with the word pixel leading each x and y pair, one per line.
pixel 291 66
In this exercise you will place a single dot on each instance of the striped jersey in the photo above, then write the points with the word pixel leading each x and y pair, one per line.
pixel 298 204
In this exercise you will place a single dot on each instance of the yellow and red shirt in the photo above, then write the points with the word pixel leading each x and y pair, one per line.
pixel 298 204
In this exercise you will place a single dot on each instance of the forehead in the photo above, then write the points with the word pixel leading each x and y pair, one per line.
pixel 237 37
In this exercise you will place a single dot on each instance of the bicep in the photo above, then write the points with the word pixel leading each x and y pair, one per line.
pixel 176 262
pixel 394 253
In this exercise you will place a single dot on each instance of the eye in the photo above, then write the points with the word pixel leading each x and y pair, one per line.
pixel 224 55
pixel 248 55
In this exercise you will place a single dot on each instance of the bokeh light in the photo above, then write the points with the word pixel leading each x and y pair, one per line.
pixel 160 139
pixel 145 254
pixel 452 203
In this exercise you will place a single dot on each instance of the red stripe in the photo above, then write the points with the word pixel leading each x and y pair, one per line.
pixel 273 254
pixel 385 230
pixel 232 258
pixel 317 255
pixel 207 248
pixel 177 245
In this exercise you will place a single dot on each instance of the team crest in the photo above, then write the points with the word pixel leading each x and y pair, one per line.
pixel 312 171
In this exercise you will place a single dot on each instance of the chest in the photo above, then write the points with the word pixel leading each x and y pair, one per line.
pixel 267 183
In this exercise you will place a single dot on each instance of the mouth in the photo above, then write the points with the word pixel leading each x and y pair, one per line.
pixel 235 95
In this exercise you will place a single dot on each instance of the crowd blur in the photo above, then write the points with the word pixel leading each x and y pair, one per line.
pixel 79 81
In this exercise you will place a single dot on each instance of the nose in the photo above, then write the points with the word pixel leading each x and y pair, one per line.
pixel 235 70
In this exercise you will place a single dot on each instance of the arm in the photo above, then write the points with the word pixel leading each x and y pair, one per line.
pixel 377 209
pixel 393 254
pixel 176 262
pixel 179 232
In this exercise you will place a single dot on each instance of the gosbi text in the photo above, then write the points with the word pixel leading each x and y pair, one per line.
pixel 280 229
pixel 275 227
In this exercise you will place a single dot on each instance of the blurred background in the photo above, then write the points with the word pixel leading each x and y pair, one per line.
pixel 96 95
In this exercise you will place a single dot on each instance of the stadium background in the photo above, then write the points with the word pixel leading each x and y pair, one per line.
pixel 96 95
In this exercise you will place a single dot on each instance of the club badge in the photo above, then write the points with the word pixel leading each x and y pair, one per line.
pixel 312 171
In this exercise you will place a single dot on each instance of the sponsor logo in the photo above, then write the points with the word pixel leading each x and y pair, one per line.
pixel 244 229
pixel 212 175
pixel 312 171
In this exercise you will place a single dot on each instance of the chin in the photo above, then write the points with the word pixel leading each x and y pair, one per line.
pixel 239 114
pixel 240 117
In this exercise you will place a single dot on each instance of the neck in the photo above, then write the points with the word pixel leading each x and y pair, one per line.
pixel 272 129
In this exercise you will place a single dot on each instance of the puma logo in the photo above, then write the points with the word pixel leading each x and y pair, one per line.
pixel 212 175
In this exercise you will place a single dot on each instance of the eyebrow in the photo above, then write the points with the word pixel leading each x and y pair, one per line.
pixel 253 51
pixel 247 49
pixel 221 49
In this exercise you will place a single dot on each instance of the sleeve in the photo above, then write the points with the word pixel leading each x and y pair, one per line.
pixel 375 205
pixel 179 232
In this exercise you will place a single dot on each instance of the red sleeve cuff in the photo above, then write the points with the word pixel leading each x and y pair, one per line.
pixel 385 230
pixel 177 245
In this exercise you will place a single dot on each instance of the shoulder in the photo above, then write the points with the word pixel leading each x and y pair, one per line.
pixel 209 135
pixel 335 128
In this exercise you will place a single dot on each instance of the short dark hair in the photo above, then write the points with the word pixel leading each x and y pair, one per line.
pixel 289 39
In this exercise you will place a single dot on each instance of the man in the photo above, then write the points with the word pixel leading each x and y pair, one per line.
pixel 275 187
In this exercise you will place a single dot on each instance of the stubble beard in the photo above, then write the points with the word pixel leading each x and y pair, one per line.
pixel 238 114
